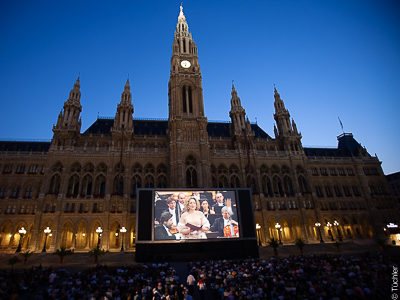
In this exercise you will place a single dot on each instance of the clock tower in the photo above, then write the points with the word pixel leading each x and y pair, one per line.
pixel 187 125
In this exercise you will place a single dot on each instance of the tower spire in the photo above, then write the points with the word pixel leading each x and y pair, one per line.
pixel 237 113
pixel 285 131
pixel 123 120
pixel 181 15
pixel 68 124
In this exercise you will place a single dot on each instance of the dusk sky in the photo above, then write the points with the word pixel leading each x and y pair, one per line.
pixel 328 59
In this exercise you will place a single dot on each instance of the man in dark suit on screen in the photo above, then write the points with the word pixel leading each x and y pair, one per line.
pixel 162 231
pixel 225 226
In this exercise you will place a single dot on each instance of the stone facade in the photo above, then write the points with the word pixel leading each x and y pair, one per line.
pixel 82 181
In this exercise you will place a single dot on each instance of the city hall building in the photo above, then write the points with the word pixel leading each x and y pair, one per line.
pixel 81 182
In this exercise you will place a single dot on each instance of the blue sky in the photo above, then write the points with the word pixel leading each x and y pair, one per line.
pixel 327 59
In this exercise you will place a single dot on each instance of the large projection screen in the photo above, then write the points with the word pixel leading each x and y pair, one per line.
pixel 195 215
pixel 191 224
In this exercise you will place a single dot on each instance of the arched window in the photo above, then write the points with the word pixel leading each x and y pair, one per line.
pixel 88 168
pixel 303 185
pixel 287 182
pixel 87 183
pixel 235 182
pixel 149 168
pixel 119 168
pixel 76 167
pixel 100 186
pixel 277 187
pixel 136 183
pixel 222 181
pixel 191 174
pixel 55 184
pixel 161 169
pixel 137 168
pixel 162 181
pixel 73 186
pixel 267 188
pixel 149 181
pixel 118 186
pixel 214 181
pixel 251 183
pixel 101 168
pixel 187 102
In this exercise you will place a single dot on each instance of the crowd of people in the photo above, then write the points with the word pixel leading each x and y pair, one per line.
pixel 366 276
pixel 197 215
pixel 296 277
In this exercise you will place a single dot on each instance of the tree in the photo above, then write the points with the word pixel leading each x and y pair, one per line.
pixel 26 255
pixel 274 243
pixel 300 244
pixel 96 252
pixel 62 252
pixel 12 261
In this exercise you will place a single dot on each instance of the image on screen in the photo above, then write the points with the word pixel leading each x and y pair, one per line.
pixel 195 215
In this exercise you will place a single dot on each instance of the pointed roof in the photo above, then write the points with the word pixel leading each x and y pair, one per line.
pixel 127 86
pixel 181 16
pixel 77 85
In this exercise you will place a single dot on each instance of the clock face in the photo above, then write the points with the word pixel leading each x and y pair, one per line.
pixel 185 64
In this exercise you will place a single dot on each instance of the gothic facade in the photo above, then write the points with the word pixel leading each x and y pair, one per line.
pixel 79 182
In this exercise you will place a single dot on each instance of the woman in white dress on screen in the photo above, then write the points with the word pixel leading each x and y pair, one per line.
pixel 193 223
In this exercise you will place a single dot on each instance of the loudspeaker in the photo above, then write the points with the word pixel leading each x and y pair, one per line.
pixel 145 216
pixel 247 213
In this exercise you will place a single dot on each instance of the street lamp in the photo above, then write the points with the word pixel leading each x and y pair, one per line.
pixel 278 227
pixel 46 231
pixel 21 232
pixel 318 225
pixel 336 223
pixel 329 230
pixel 99 231
pixel 122 230
pixel 258 228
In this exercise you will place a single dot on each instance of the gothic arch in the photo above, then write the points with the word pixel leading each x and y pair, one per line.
pixel 149 169
pixel 6 235
pixel 101 168
pixel 57 167
pixel 67 235
pixel 191 172
pixel 251 183
pixel 119 168
pixel 88 168
pixel 162 181
pixel 55 182
pixel 288 186
pixel 94 236
pixel 136 183
pixel 303 186
pixel 100 186
pixel 50 237
pixel 149 181
pixel 81 235
pixel 87 185
pixel 115 235
pixel 118 185
pixel 264 169
pixel 73 186
pixel 267 187
pixel 277 186
pixel 161 169
pixel 235 181
pixel 275 169
pixel 76 167
pixel 222 181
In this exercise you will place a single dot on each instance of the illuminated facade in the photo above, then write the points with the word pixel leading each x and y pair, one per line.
pixel 79 182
